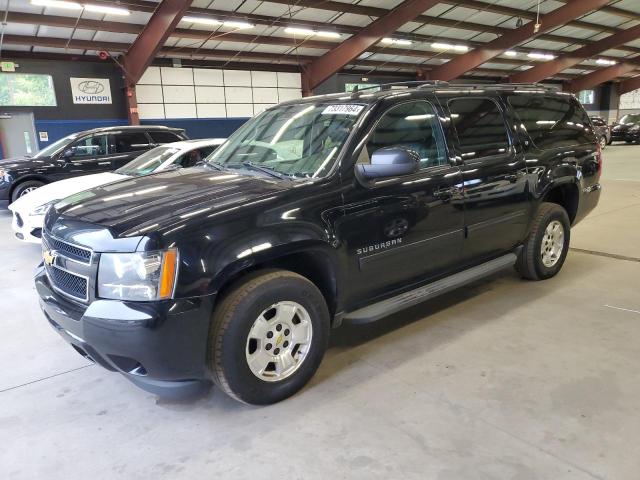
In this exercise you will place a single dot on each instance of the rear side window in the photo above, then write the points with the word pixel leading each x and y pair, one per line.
pixel 480 127
pixel 131 142
pixel 164 137
pixel 413 125
pixel 552 120
pixel 598 122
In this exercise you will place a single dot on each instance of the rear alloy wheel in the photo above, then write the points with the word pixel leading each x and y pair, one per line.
pixel 25 187
pixel 546 247
pixel 268 336
pixel 603 142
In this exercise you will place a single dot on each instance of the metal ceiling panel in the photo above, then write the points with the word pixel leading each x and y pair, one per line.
pixel 72 51
pixel 603 18
pixel 488 18
pixel 271 49
pixel 547 6
pixel 545 44
pixel 410 27
pixel 60 32
pixel 485 37
pixel 20 7
pixel 312 52
pixel 245 6
pixel 635 43
pixel 457 33
pixel 20 29
pixel 615 53
pixel 573 32
pixel 388 4
pixel 273 9
pixel 115 37
pixel 6 51
pixel 497 66
pixel 81 34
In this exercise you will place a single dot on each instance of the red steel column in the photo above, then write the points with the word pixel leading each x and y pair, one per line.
pixel 600 76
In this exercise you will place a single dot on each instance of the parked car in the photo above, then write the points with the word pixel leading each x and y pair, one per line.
pixel 602 131
pixel 627 129
pixel 28 210
pixel 322 210
pixel 82 153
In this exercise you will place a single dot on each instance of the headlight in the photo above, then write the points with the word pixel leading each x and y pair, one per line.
pixel 42 209
pixel 635 128
pixel 137 276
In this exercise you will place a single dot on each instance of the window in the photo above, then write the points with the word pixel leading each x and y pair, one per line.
pixel 189 159
pixel 92 146
pixel 552 121
pixel 164 137
pixel 586 97
pixel 131 142
pixel 413 125
pixel 26 90
pixel 480 127
pixel 598 122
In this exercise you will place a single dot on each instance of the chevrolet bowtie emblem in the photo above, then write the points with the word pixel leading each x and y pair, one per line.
pixel 49 256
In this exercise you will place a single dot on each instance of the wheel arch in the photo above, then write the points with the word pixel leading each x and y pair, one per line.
pixel 316 262
pixel 26 178
pixel 565 194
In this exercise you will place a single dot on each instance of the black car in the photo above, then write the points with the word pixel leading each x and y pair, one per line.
pixel 82 153
pixel 320 211
pixel 602 131
pixel 627 129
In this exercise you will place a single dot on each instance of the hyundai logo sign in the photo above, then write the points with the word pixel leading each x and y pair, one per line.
pixel 90 90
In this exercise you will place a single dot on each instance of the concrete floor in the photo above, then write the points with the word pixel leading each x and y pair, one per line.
pixel 503 380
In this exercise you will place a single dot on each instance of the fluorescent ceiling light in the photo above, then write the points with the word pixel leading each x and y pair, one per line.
pixel 604 61
pixel 326 34
pixel 541 56
pixel 57 4
pixel 237 24
pixel 396 41
pixel 511 53
pixel 105 9
pixel 299 31
pixel 205 21
pixel 448 46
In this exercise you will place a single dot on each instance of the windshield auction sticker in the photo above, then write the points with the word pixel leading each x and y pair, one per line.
pixel 343 110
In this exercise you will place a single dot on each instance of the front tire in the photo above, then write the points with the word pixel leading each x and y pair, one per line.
pixel 603 142
pixel 547 245
pixel 268 337
pixel 24 188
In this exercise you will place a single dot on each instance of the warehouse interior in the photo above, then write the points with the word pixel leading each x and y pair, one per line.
pixel 499 379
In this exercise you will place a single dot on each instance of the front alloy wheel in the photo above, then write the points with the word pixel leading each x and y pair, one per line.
pixel 268 336
pixel 279 341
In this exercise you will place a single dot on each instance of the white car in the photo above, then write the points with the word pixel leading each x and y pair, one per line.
pixel 28 211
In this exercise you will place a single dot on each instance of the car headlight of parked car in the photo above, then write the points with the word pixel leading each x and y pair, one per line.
pixel 140 276
pixel 635 128
pixel 42 209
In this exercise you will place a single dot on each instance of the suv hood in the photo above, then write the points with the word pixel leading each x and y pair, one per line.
pixel 156 202
pixel 17 164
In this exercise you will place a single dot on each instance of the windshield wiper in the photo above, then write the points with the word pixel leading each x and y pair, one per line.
pixel 261 168
pixel 215 165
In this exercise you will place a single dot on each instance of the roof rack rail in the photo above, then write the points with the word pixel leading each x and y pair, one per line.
pixel 389 86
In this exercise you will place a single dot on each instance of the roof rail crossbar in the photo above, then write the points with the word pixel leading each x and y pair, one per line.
pixel 389 86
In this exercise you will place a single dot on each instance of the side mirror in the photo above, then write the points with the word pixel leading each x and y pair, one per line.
pixel 67 154
pixel 390 162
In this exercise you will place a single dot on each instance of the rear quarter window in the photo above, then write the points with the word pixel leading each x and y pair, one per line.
pixel 552 120
pixel 164 137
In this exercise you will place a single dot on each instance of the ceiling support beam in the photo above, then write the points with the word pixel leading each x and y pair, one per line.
pixel 347 51
pixel 629 85
pixel 601 76
pixel 153 36
pixel 474 58
pixel 548 69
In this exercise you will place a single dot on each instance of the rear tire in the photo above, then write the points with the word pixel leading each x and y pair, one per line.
pixel 546 247
pixel 268 337
pixel 603 142
pixel 24 188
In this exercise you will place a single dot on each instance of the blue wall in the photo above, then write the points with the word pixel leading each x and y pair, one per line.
pixel 195 127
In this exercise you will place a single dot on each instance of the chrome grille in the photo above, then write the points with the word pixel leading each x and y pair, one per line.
pixel 69 283
pixel 69 269
pixel 72 251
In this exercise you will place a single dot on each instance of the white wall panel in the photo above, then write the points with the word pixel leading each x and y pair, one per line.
pixel 630 100
pixel 237 78
pixel 239 110
pixel 286 94
pixel 210 95
pixel 211 110
pixel 151 75
pixel 289 80
pixel 176 76
pixel 178 94
pixel 180 110
pixel 261 107
pixel 207 76
pixel 149 94
pixel 264 79
pixel 238 94
pixel 265 95
pixel 150 110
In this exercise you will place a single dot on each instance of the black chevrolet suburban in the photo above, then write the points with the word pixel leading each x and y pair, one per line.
pixel 329 209
pixel 92 151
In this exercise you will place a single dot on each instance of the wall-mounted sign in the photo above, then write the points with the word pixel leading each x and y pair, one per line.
pixel 44 136
pixel 7 66
pixel 90 90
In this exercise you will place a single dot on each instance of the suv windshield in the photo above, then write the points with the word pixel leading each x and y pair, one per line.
pixel 630 118
pixel 300 140
pixel 51 149
pixel 149 162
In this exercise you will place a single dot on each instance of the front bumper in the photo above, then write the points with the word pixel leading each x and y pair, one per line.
pixel 632 136
pixel 159 346
pixel 26 227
